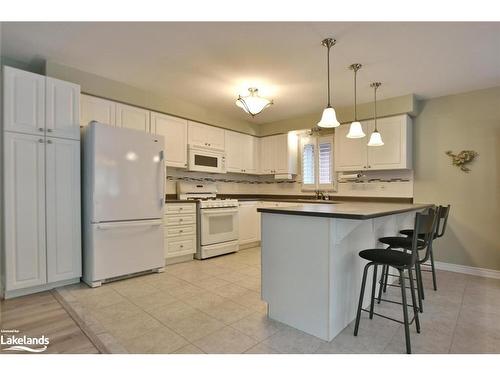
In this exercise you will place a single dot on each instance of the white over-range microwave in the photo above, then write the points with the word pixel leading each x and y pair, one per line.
pixel 201 159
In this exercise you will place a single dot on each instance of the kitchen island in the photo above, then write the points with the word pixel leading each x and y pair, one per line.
pixel 311 271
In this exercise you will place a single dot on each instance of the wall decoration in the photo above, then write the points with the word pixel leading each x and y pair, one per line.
pixel 462 159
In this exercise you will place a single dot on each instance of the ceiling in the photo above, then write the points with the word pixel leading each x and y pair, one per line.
pixel 210 63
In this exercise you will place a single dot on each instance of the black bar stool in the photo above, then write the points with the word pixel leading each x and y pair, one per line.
pixel 441 228
pixel 405 243
pixel 402 261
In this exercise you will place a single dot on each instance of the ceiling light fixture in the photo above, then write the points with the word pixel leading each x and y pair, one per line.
pixel 375 138
pixel 329 117
pixel 253 104
pixel 356 129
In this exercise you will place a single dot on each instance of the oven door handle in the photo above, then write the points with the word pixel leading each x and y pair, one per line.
pixel 218 211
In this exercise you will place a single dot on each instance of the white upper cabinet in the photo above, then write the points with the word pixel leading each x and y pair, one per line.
pixel 24 101
pixel 174 130
pixel 350 154
pixel 131 117
pixel 396 153
pixel 97 109
pixel 63 209
pixel 62 114
pixel 24 178
pixel 266 155
pixel 241 153
pixel 278 154
pixel 205 136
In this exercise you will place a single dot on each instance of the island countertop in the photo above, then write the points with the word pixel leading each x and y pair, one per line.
pixel 346 210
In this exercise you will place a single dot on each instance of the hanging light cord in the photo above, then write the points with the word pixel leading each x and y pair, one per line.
pixel 328 43
pixel 375 86
pixel 328 71
pixel 355 101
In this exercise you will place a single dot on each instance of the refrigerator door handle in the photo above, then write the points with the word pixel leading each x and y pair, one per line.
pixel 162 179
pixel 130 224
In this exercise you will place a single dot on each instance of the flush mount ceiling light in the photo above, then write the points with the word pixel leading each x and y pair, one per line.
pixel 329 117
pixel 253 104
pixel 375 138
pixel 355 130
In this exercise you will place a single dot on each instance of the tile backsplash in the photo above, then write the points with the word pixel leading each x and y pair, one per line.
pixel 374 184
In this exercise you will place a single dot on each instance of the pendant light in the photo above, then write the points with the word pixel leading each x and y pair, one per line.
pixel 253 104
pixel 355 130
pixel 329 117
pixel 375 138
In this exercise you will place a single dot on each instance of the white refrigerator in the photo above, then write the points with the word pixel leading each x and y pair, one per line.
pixel 123 200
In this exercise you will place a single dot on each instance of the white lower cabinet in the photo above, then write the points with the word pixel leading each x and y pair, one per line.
pixel 63 209
pixel 25 250
pixel 249 222
pixel 42 212
pixel 180 231
pixel 249 219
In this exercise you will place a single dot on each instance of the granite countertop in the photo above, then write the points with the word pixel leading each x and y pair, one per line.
pixel 311 199
pixel 346 210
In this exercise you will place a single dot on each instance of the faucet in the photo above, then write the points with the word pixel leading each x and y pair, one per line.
pixel 321 195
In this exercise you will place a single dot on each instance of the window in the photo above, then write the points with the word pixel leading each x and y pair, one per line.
pixel 308 164
pixel 317 163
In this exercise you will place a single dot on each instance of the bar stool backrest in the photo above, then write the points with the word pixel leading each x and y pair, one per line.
pixel 443 219
pixel 425 229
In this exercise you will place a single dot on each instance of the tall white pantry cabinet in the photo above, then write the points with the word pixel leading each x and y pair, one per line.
pixel 41 136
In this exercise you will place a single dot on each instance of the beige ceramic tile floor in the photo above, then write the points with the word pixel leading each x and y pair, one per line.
pixel 214 306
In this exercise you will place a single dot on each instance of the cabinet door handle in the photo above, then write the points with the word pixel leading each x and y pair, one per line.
pixel 369 166
pixel 40 140
pixel 40 129
pixel 49 141
pixel 49 130
pixel 182 246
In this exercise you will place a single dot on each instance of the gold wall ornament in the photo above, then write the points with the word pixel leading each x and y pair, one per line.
pixel 462 158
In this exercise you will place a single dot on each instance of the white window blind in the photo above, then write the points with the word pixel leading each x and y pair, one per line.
pixel 325 162
pixel 317 163
pixel 308 164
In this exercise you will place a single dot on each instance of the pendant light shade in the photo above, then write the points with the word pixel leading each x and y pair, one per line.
pixel 376 137
pixel 329 117
pixel 253 104
pixel 356 129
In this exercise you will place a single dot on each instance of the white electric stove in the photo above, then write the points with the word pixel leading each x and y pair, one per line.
pixel 217 219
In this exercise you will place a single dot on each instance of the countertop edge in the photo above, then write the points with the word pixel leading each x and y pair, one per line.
pixel 285 211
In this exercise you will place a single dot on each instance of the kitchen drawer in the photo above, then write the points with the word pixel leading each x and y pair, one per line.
pixel 180 208
pixel 181 246
pixel 180 230
pixel 180 220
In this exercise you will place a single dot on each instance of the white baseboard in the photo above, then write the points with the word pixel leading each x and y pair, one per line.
pixel 476 271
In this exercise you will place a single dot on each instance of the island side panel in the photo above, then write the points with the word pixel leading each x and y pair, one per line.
pixel 348 239
pixel 295 271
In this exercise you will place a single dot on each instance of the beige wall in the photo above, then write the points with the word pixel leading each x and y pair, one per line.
pixel 114 90
pixel 469 121
pixel 387 107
